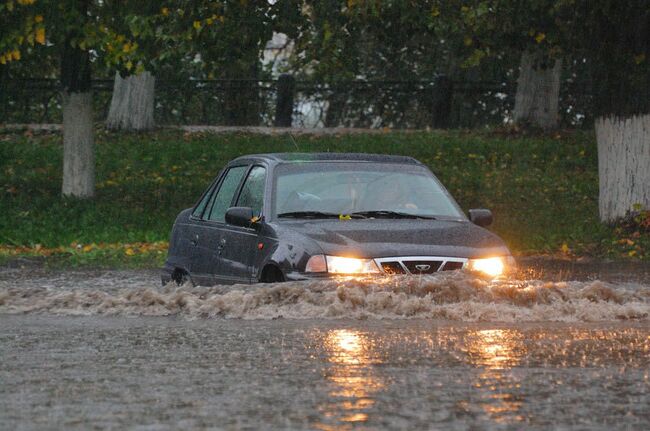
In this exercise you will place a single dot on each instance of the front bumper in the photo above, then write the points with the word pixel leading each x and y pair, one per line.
pixel 405 265
pixel 397 265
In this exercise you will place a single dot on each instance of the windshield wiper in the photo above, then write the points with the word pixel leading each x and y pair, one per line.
pixel 391 214
pixel 315 214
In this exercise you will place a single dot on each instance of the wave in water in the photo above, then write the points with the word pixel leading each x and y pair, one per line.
pixel 450 296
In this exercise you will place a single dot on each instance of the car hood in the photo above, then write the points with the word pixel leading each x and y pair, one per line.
pixel 398 237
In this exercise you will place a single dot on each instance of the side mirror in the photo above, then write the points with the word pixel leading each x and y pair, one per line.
pixel 481 217
pixel 240 216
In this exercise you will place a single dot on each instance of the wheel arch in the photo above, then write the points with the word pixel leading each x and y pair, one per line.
pixel 179 275
pixel 271 273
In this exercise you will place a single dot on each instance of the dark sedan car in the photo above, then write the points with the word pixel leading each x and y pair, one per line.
pixel 279 217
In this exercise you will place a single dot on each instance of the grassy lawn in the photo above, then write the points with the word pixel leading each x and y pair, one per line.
pixel 543 190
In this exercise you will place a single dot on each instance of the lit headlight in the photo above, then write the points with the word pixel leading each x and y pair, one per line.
pixel 349 265
pixel 341 265
pixel 493 266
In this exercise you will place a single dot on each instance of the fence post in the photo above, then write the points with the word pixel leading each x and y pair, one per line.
pixel 3 97
pixel 284 104
pixel 441 104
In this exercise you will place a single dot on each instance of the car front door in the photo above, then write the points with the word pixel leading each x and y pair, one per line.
pixel 208 236
pixel 241 243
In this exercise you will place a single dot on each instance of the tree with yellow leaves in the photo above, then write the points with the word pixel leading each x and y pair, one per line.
pixel 82 34
pixel 208 38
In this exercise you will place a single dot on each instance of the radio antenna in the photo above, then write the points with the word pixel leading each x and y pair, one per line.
pixel 294 141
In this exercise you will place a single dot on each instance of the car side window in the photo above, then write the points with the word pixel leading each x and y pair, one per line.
pixel 198 211
pixel 222 199
pixel 252 193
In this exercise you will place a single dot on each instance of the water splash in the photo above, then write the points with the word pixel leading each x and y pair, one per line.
pixel 449 296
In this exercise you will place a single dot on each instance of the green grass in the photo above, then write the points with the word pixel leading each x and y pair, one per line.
pixel 543 190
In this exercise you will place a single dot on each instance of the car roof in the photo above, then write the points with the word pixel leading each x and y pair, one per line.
pixel 330 157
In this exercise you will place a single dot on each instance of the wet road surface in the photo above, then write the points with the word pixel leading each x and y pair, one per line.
pixel 114 350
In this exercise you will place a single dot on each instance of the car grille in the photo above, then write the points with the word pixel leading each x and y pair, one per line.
pixel 450 266
pixel 392 268
pixel 422 266
pixel 419 265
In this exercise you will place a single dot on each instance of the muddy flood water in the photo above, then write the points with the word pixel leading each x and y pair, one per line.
pixel 559 346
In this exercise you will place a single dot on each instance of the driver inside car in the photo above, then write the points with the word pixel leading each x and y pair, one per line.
pixel 388 193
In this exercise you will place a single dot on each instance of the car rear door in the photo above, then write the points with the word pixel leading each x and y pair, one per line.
pixel 208 236
pixel 240 244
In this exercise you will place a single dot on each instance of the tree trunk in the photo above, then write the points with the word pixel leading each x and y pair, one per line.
pixel 286 88
pixel 443 93
pixel 132 103
pixel 335 107
pixel 78 145
pixel 538 91
pixel 3 96
pixel 623 165
pixel 242 103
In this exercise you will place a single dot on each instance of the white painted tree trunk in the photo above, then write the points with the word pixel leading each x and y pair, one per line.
pixel 132 103
pixel 538 91
pixel 78 145
pixel 623 165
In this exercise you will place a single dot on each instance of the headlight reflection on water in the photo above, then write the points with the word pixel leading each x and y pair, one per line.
pixel 498 351
pixel 355 383
pixel 353 379
pixel 470 373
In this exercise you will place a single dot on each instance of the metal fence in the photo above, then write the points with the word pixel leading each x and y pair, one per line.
pixel 401 104
pixel 369 104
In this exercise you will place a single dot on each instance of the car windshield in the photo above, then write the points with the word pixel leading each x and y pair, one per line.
pixel 314 189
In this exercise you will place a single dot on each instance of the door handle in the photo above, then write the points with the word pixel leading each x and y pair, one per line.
pixel 194 241
pixel 221 245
